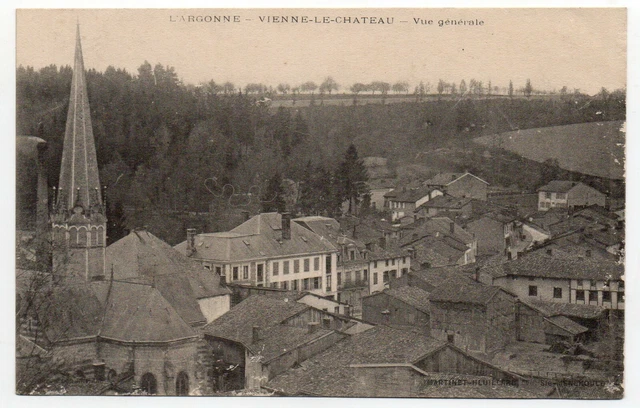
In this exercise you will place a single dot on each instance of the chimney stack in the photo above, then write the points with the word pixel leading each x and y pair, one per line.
pixel 286 225
pixel 256 335
pixel 313 327
pixel 549 251
pixel 191 241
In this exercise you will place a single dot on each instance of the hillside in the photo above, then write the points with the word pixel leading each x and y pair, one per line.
pixel 595 148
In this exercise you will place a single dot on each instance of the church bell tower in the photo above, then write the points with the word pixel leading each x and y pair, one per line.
pixel 79 222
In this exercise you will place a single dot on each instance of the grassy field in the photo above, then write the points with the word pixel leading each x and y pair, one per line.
pixel 595 148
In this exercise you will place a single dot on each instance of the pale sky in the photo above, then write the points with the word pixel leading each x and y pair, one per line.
pixel 580 48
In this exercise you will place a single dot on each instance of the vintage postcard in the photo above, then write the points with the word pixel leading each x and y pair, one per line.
pixel 406 203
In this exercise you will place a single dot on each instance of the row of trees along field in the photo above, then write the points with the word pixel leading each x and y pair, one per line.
pixel 168 146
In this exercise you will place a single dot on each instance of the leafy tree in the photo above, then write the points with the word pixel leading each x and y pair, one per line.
pixel 528 89
pixel 463 87
pixel 273 198
pixel 401 86
pixel 309 86
pixel 441 86
pixel 357 88
pixel 510 89
pixel 328 85
pixel 283 88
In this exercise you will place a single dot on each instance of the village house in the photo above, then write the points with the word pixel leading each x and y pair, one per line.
pixel 474 316
pixel 377 189
pixel 462 185
pixel 267 250
pixel 568 194
pixel 404 201
pixel 438 242
pixel 556 276
pixel 405 306
pixel 496 232
pixel 384 362
pixel 454 206
pixel 429 279
pixel 262 337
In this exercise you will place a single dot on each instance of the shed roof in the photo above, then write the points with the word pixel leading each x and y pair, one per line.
pixel 567 325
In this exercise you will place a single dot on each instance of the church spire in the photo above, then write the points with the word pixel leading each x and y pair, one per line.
pixel 79 184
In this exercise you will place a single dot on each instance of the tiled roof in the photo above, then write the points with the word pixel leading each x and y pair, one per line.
pixel 280 339
pixel 144 258
pixel 438 226
pixel 559 186
pixel 329 229
pixel 567 324
pixel 410 295
pixel 566 309
pixel 410 195
pixel 122 311
pixel 329 373
pixel 474 293
pixel 446 201
pixel 439 276
pixel 436 252
pixel 262 311
pixel 558 265
pixel 444 179
pixel 258 238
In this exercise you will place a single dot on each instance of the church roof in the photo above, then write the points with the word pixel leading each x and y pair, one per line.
pixel 79 182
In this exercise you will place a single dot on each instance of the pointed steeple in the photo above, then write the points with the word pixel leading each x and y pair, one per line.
pixel 79 184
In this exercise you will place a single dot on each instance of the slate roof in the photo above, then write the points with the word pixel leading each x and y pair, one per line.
pixel 472 292
pixel 281 339
pixel 328 373
pixel 258 238
pixel 574 310
pixel 568 325
pixel 410 295
pixel 142 257
pixel 122 311
pixel 262 311
pixel 436 252
pixel 444 179
pixel 558 265
pixel 447 201
pixel 329 229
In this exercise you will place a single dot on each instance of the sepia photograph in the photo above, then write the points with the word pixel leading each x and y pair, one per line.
pixel 352 203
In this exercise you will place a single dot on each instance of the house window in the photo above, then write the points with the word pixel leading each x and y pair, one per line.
pixel 606 296
pixel 347 277
pixel 385 277
pixel 316 283
pixel 296 266
pixel 305 284
pixel 593 283
pixel 393 262
pixel 285 285
pixel 357 276
pixel 364 275
pixel 274 285
pixel 561 196
pixel 593 296
pixel 328 264
pixel 352 255
pixel 296 284
pixel 579 283
pixel 580 295
pixel 533 290
pixel 339 278
pixel 235 273
pixel 327 279
pixel 285 267
pixel 219 270
pixel 316 263
pixel 276 268
pixel 620 285
pixel 336 310
pixel 547 195
pixel 245 272
pixel 386 262
pixel 404 271
pixel 375 264
pixel 306 265
pixel 404 260
pixel 557 293
pixel 260 272
pixel 375 278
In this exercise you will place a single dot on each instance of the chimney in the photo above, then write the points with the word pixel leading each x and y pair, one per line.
pixel 549 251
pixel 256 335
pixel 382 242
pixel 191 241
pixel 588 253
pixel 286 225
pixel 245 216
pixel 452 227
pixel 313 327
